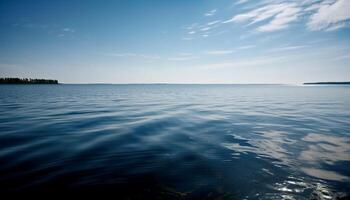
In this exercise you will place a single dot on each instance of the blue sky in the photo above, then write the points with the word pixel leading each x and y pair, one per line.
pixel 182 41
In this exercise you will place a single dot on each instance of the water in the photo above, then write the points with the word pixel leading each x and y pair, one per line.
pixel 176 141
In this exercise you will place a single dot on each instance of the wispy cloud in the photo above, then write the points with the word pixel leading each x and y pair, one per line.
pixel 213 22
pixel 143 56
pixel 183 57
pixel 241 2
pixel 282 20
pixel 220 52
pixel 245 47
pixel 257 61
pixel 228 51
pixel 210 13
pixel 330 16
pixel 187 38
pixel 337 26
pixel 276 16
pixel 287 48
pixel 204 29
pixel 191 26
pixel 52 29
pixel 68 30
pixel 342 57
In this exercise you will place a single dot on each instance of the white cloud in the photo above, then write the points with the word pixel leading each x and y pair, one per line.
pixel 330 16
pixel 281 20
pixel 183 58
pixel 245 47
pixel 257 61
pixel 287 48
pixel 205 29
pixel 313 7
pixel 68 30
pixel 192 26
pixel 210 13
pixel 241 2
pixel 342 57
pixel 185 54
pixel 220 52
pixel 213 22
pixel 273 15
pixel 337 26
pixel 187 38
pixel 144 56
pixel 278 16
pixel 52 29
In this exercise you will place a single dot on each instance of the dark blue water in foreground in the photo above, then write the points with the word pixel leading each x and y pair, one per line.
pixel 176 141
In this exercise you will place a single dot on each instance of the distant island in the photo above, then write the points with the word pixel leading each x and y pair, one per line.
pixel 328 83
pixel 27 81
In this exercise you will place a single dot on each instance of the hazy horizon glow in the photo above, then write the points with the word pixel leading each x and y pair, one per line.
pixel 198 41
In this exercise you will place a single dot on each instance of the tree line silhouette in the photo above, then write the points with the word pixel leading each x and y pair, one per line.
pixel 27 81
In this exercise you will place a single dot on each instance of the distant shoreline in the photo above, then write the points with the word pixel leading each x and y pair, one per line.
pixel 27 81
pixel 328 83
pixel 22 81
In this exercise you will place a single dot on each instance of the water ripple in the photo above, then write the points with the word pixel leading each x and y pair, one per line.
pixel 176 141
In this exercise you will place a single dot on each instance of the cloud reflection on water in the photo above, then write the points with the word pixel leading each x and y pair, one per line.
pixel 268 144
pixel 325 149
pixel 309 158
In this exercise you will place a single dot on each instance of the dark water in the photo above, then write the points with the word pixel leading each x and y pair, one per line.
pixel 176 141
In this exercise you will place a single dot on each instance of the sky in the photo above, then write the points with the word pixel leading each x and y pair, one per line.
pixel 182 41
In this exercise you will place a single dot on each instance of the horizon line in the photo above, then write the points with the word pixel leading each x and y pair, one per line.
pixel 155 83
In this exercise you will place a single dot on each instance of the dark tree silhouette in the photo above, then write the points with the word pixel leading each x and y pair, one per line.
pixel 328 83
pixel 27 81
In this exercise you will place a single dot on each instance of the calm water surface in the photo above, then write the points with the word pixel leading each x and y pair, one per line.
pixel 176 141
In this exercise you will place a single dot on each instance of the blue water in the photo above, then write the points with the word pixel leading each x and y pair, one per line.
pixel 176 141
